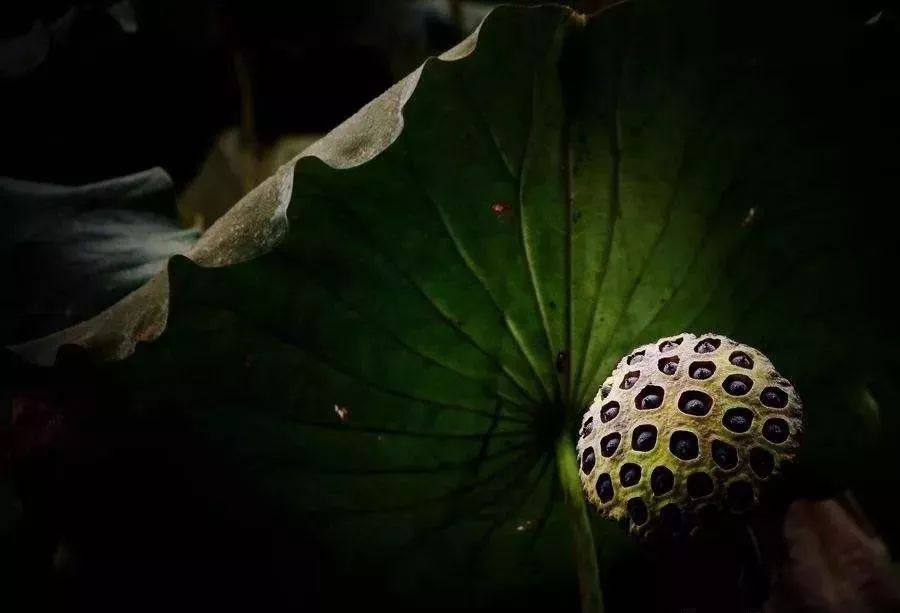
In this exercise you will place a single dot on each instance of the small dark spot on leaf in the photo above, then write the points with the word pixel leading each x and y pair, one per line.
pixel 684 445
pixel 695 402
pixel 741 359
pixel 774 397
pixel 737 385
pixel 724 455
pixel 651 397
pixel 588 460
pixel 661 480
pixel 609 411
pixel 552 305
pixel 609 444
pixel 737 419
pixel 644 438
pixel 604 487
pixel 562 362
pixel 775 430
pixel 761 461
pixel 699 485
pixel 637 511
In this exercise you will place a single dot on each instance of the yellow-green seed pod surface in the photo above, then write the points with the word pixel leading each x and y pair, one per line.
pixel 685 423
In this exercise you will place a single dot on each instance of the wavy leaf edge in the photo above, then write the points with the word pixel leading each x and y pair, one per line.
pixel 258 222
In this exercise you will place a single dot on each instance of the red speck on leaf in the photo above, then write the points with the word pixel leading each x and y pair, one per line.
pixel 500 208
pixel 148 332
pixel 342 412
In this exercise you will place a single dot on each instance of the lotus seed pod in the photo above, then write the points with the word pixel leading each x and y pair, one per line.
pixel 685 425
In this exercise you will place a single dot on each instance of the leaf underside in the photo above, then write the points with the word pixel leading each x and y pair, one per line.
pixel 398 366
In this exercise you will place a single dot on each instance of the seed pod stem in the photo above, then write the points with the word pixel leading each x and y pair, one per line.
pixel 576 508
pixel 755 574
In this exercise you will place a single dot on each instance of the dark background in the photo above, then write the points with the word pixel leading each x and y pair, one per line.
pixel 106 102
